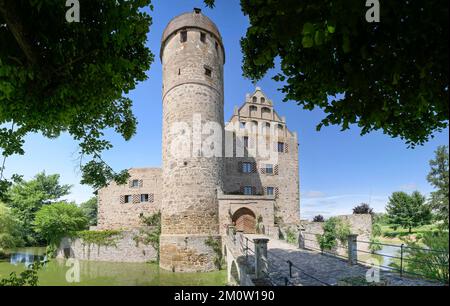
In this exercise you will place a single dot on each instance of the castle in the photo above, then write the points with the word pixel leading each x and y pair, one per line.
pixel 213 174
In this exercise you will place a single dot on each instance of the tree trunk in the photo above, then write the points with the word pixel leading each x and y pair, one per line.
pixel 9 11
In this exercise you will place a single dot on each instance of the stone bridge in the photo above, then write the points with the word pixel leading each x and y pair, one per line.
pixel 255 260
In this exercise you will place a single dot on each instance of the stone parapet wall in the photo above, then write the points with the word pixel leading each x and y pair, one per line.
pixel 360 225
pixel 125 250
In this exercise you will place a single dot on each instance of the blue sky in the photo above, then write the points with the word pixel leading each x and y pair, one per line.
pixel 338 170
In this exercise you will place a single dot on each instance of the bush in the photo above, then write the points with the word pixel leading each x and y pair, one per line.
pixel 59 220
pixel 362 209
pixel 291 236
pixel 334 230
pixel 374 241
pixel 431 262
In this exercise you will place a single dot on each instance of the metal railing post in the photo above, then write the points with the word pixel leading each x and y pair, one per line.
pixel 401 259
pixel 246 249
pixel 290 268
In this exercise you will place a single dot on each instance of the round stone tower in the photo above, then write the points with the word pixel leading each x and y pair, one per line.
pixel 192 57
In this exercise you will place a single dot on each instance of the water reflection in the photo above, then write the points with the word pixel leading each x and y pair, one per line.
pixel 91 273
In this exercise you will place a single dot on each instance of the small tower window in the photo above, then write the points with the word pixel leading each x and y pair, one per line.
pixel 202 37
pixel 263 100
pixel 208 71
pixel 217 47
pixel 255 99
pixel 183 36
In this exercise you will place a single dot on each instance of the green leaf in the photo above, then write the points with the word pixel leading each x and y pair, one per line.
pixel 319 37
pixel 307 41
pixel 308 28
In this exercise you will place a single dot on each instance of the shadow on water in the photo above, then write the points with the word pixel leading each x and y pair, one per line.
pixel 64 272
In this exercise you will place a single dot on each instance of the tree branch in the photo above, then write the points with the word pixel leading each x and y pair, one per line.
pixel 9 11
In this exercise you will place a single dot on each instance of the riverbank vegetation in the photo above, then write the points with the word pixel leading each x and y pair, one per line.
pixel 33 213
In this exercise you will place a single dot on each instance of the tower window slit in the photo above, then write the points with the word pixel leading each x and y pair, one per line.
pixel 208 71
pixel 203 37
pixel 183 36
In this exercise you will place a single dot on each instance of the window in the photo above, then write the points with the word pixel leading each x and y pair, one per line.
pixel 266 111
pixel 248 190
pixel 127 199
pixel 208 71
pixel 263 100
pixel 242 124
pixel 270 191
pixel 255 99
pixel 280 147
pixel 135 183
pixel 280 127
pixel 202 37
pixel 253 108
pixel 217 47
pixel 183 36
pixel 269 169
pixel 144 197
pixel 247 167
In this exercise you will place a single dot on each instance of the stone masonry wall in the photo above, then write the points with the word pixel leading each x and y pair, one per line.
pixel 126 250
pixel 360 225
pixel 113 213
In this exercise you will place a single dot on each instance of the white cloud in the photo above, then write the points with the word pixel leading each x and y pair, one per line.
pixel 313 194
pixel 339 204
pixel 408 187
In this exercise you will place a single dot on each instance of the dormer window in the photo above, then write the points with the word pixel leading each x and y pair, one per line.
pixel 183 36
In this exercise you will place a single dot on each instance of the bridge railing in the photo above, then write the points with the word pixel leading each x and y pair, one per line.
pixel 274 269
pixel 365 253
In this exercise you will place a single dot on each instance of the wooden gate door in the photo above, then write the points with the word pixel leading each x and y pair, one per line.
pixel 244 220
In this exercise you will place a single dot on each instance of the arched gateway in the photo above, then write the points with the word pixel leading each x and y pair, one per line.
pixel 245 220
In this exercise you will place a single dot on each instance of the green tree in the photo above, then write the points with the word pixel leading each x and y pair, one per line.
pixel 408 211
pixel 90 210
pixel 393 74
pixel 26 197
pixel 57 76
pixel 438 177
pixel 10 235
pixel 59 220
pixel 362 209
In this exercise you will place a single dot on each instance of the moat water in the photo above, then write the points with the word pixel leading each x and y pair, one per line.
pixel 61 272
